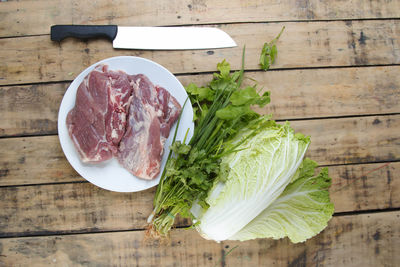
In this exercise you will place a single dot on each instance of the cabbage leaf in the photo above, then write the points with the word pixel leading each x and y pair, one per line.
pixel 267 157
pixel 300 212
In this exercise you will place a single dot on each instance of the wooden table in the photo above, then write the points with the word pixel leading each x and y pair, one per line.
pixel 336 78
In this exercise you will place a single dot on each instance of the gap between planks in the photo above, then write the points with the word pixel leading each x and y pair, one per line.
pixel 385 163
pixel 236 22
pixel 306 45
pixel 277 120
pixel 182 74
pixel 96 231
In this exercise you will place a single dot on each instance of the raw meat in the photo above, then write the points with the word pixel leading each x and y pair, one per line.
pixel 124 116
pixel 152 112
pixel 170 108
pixel 97 122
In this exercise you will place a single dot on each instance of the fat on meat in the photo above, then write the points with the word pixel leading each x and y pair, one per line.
pixel 97 122
pixel 152 112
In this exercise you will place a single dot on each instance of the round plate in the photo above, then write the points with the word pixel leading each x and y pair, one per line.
pixel 111 175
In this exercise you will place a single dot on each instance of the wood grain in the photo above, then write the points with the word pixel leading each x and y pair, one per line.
pixel 336 78
pixel 352 140
pixel 302 45
pixel 33 160
pixel 67 208
pixel 82 207
pixel 19 18
pixel 365 186
pixel 355 240
pixel 309 93
pixel 30 110
pixel 334 141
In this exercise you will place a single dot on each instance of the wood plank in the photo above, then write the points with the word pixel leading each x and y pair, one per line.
pixel 34 160
pixel 365 186
pixel 30 110
pixel 19 18
pixel 303 44
pixel 82 207
pixel 334 141
pixel 310 93
pixel 354 240
pixel 33 109
pixel 77 207
pixel 352 140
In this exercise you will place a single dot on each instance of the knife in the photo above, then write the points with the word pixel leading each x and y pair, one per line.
pixel 150 38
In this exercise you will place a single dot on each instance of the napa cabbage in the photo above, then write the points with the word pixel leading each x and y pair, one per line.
pixel 266 188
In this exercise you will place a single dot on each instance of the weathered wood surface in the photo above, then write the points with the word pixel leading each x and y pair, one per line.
pixel 365 186
pixel 302 45
pixel 336 78
pixel 352 140
pixel 18 18
pixel 33 109
pixel 354 240
pixel 369 139
pixel 357 240
pixel 30 109
pixel 34 160
pixel 82 207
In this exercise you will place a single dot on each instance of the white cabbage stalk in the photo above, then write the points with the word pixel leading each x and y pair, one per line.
pixel 300 212
pixel 251 180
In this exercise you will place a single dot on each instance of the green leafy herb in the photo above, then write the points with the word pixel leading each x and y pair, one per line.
pixel 221 109
pixel 200 93
pixel 269 52
pixel 250 96
pixel 232 112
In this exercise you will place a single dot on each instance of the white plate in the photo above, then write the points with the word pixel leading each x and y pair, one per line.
pixel 111 175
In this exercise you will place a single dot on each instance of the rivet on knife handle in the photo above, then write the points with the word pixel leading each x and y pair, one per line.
pixel 59 32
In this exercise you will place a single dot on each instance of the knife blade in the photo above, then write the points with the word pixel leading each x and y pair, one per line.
pixel 149 38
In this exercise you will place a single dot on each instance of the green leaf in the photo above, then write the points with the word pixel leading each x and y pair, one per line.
pixel 204 111
pixel 236 75
pixel 201 93
pixel 224 69
pixel 264 99
pixel 180 148
pixel 219 84
pixel 269 52
pixel 191 88
pixel 274 53
pixel 249 96
pixel 245 96
pixel 232 112
pixel 195 110
pixel 300 212
pixel 306 169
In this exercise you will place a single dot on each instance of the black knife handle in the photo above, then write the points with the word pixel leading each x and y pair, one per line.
pixel 59 32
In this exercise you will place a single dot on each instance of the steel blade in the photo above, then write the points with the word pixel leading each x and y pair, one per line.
pixel 171 38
